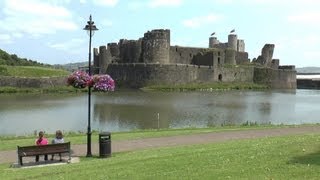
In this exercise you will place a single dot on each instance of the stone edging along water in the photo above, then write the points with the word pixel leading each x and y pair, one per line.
pixel 30 82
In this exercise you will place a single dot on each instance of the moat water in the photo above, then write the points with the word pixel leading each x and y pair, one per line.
pixel 124 111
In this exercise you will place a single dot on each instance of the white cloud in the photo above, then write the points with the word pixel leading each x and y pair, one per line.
pixel 35 18
pixel 223 1
pixel 109 3
pixel 5 39
pixel 34 7
pixel 106 23
pixel 83 1
pixel 285 3
pixel 309 18
pixel 135 5
pixel 167 3
pixel 274 2
pixel 59 1
pixel 71 46
pixel 201 20
pixel 307 40
pixel 17 35
pixel 312 54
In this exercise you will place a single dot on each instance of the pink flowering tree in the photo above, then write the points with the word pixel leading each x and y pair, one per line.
pixel 81 79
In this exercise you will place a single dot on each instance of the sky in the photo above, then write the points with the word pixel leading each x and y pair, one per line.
pixel 51 31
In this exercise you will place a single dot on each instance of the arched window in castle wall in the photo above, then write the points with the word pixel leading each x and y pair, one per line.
pixel 220 77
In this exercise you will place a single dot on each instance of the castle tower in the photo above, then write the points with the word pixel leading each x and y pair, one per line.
pixel 103 61
pixel 156 46
pixel 114 49
pixel 213 41
pixel 233 42
pixel 230 56
pixel 95 61
pixel 130 50
pixel 265 58
pixel 241 45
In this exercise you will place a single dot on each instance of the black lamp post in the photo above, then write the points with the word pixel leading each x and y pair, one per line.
pixel 90 28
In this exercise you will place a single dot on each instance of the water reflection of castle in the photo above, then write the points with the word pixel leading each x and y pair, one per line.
pixel 130 115
pixel 196 109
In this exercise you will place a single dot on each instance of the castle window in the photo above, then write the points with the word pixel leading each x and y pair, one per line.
pixel 218 60
pixel 220 77
pixel 218 53
pixel 176 49
pixel 180 54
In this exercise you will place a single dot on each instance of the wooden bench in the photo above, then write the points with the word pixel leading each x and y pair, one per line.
pixel 43 150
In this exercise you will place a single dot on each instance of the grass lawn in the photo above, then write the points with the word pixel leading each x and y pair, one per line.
pixel 289 157
pixel 31 71
pixel 10 143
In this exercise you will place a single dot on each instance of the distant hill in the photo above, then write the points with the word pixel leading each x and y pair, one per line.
pixel 71 66
pixel 14 60
pixel 308 70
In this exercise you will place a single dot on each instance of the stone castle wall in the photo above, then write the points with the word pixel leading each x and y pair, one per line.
pixel 130 51
pixel 276 78
pixel 184 55
pixel 136 75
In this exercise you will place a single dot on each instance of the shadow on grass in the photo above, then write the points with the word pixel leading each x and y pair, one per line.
pixel 313 158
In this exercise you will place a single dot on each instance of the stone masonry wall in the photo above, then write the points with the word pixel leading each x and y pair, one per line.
pixel 183 55
pixel 136 75
pixel 155 46
pixel 130 51
pixel 32 82
pixel 275 78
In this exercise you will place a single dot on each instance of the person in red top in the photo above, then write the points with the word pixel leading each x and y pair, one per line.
pixel 41 140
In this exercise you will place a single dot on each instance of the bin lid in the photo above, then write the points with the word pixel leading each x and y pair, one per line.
pixel 105 134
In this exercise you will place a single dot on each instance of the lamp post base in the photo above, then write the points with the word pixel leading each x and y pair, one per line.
pixel 89 154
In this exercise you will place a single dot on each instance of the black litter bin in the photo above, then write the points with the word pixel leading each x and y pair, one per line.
pixel 105 144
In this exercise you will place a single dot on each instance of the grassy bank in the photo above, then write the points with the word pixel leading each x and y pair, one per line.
pixel 31 71
pixel 290 157
pixel 208 86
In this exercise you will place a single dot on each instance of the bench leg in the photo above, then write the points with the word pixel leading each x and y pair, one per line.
pixel 69 160
pixel 60 156
pixel 20 160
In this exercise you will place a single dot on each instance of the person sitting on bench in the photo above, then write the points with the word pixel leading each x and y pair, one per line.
pixel 41 141
pixel 56 140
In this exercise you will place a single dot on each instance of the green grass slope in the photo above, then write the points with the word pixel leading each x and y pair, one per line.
pixel 31 71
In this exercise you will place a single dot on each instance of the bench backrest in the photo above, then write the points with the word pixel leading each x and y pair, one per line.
pixel 44 149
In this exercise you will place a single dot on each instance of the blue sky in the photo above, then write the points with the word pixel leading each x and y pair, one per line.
pixel 50 31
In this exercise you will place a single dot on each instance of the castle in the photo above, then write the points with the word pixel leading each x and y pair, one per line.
pixel 151 60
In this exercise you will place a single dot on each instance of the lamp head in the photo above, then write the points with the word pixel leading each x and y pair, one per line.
pixel 90 27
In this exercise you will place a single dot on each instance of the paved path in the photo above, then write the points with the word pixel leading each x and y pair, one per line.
pixel 130 145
